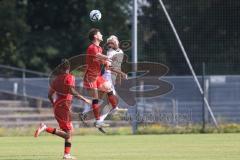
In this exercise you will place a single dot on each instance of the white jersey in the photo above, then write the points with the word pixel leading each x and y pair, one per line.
pixel 117 57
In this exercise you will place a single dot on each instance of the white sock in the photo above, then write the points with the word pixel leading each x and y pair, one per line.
pixel 87 108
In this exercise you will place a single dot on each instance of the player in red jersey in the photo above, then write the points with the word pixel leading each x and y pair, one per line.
pixel 93 81
pixel 64 88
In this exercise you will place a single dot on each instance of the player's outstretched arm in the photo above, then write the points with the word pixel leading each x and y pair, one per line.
pixel 102 57
pixel 75 93
pixel 123 75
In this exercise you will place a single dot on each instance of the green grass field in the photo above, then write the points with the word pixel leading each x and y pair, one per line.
pixel 142 147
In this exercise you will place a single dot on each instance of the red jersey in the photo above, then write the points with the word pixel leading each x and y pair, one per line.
pixel 93 64
pixel 61 84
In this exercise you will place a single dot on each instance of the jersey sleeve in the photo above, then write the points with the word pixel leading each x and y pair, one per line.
pixel 70 80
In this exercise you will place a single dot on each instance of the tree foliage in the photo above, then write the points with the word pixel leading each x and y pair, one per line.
pixel 209 30
pixel 13 28
pixel 37 34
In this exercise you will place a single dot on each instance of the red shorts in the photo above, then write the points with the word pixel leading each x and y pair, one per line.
pixel 62 113
pixel 96 83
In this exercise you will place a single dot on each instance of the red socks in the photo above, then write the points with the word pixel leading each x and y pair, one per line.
pixel 51 130
pixel 67 147
pixel 95 108
pixel 112 99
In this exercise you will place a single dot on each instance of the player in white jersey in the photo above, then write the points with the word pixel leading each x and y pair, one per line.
pixel 116 55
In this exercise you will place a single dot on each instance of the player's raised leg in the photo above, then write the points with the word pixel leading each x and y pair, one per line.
pixel 95 107
pixel 44 128
pixel 105 86
pixel 108 88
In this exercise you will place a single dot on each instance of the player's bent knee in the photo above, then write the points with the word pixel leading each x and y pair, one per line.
pixel 112 99
pixel 106 87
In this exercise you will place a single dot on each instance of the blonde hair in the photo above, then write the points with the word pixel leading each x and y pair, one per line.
pixel 113 38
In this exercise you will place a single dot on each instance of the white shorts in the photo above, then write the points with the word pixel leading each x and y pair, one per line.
pixel 108 77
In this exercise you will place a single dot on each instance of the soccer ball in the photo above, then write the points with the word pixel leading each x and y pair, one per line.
pixel 95 15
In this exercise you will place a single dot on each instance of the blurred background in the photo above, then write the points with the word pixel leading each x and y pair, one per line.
pixel 36 35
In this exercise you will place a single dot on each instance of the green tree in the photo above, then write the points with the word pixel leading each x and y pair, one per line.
pixel 56 31
pixel 43 32
pixel 13 28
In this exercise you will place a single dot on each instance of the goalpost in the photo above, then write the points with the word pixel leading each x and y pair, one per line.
pixel 134 57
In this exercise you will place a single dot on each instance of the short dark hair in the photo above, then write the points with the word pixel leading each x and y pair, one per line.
pixel 65 65
pixel 92 33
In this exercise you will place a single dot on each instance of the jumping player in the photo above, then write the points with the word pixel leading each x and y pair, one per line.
pixel 116 55
pixel 93 81
pixel 113 74
pixel 64 88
